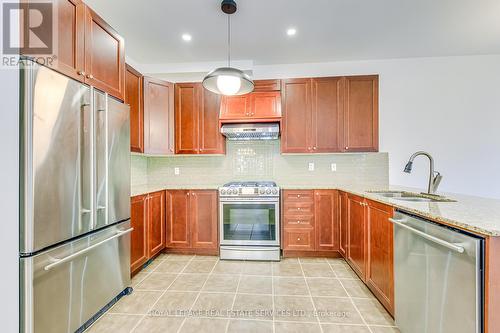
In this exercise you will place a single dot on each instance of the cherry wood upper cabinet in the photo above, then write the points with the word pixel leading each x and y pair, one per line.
pixel 187 110
pixel 139 236
pixel 267 85
pixel 361 113
pixel 203 216
pixel 266 105
pixel 326 219
pixel 296 123
pixel 211 139
pixel 70 55
pixel 327 115
pixel 156 211
pixel 104 56
pixel 356 255
pixel 235 107
pixel 158 116
pixel 178 227
pixel 343 224
pixel 133 97
pixel 261 106
pixel 380 261
pixel 197 120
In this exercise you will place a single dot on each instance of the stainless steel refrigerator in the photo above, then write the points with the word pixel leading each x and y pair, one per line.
pixel 75 201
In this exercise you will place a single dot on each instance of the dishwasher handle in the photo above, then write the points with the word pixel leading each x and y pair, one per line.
pixel 451 246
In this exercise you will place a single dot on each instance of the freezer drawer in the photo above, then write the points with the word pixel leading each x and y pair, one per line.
pixel 64 287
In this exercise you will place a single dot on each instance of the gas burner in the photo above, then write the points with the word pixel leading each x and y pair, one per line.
pixel 249 189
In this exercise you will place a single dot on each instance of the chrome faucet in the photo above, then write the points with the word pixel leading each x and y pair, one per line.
pixel 434 176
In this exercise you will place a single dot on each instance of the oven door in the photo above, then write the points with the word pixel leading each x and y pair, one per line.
pixel 249 221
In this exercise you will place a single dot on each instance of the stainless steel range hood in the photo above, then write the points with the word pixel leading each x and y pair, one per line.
pixel 256 131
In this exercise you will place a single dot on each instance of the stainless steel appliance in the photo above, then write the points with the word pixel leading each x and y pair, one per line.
pixel 250 221
pixel 254 131
pixel 438 277
pixel 75 201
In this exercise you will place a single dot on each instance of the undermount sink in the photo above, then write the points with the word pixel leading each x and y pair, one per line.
pixel 410 196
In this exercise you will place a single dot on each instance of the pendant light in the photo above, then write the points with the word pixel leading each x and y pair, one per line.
pixel 228 81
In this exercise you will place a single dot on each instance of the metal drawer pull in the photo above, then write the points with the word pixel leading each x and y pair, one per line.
pixel 446 244
pixel 79 253
pixel 298 238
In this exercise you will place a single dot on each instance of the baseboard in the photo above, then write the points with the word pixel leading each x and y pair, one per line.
pixel 320 254
pixel 206 252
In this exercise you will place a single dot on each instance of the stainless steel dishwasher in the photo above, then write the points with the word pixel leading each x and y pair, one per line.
pixel 438 277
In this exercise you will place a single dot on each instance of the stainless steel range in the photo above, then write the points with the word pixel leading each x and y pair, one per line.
pixel 250 221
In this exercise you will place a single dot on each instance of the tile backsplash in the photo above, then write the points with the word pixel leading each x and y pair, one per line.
pixel 262 161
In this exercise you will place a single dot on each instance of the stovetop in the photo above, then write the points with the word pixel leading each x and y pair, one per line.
pixel 250 189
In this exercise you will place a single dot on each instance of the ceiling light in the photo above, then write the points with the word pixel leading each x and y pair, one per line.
pixel 187 37
pixel 228 81
pixel 291 32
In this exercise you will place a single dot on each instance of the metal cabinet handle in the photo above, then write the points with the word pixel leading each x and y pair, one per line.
pixel 82 73
pixel 298 195
pixel 79 253
pixel 314 148
pixel 298 238
pixel 85 211
pixel 436 240
pixel 90 76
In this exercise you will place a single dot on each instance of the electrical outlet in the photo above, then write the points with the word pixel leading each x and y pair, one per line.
pixel 311 166
pixel 177 171
pixel 333 167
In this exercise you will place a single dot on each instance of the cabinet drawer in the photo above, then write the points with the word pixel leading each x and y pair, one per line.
pixel 298 208
pixel 298 221
pixel 299 239
pixel 297 196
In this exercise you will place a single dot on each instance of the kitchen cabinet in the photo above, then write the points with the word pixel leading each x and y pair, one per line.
pixel 356 235
pixel 192 224
pixel 139 236
pixel 158 116
pixel 380 260
pixel 310 222
pixel 156 223
pixel 133 97
pixel 197 120
pixel 361 113
pixel 267 85
pixel 343 216
pixel 88 49
pixel 261 106
pixel 148 220
pixel 330 114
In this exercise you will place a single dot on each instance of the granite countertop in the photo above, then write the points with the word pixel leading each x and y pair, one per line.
pixel 474 214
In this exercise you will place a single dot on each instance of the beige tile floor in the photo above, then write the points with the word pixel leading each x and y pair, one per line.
pixel 182 293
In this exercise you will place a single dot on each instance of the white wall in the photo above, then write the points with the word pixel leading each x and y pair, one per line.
pixel 449 106
pixel 9 194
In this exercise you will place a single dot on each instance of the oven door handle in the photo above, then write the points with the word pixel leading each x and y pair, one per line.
pixel 247 200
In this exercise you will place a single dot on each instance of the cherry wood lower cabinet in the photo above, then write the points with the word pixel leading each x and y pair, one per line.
pixel 192 225
pixel 310 222
pixel 148 221
pixel 356 235
pixel 343 218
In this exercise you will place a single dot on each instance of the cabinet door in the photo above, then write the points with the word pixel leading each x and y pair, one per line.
pixel 187 106
pixel 203 219
pixel 156 230
pixel 139 236
pixel 133 97
pixel 178 229
pixel 235 107
pixel 158 116
pixel 266 105
pixel 356 255
pixel 211 140
pixel 343 224
pixel 267 85
pixel 327 114
pixel 104 56
pixel 296 123
pixel 326 219
pixel 380 267
pixel 70 54
pixel 361 113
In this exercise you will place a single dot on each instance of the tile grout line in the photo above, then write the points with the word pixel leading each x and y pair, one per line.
pixel 272 296
pixel 234 300
pixel 310 295
pixel 199 293
pixel 352 302
pixel 163 293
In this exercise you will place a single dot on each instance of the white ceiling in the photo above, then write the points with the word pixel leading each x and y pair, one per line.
pixel 327 30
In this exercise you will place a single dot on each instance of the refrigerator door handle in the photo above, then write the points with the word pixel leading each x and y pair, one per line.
pixel 79 253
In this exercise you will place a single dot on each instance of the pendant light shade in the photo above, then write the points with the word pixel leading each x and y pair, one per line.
pixel 228 81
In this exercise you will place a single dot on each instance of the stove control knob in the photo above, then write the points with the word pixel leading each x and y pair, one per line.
pixel 235 191
pixel 275 191
pixel 223 191
pixel 268 191
pixel 262 191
